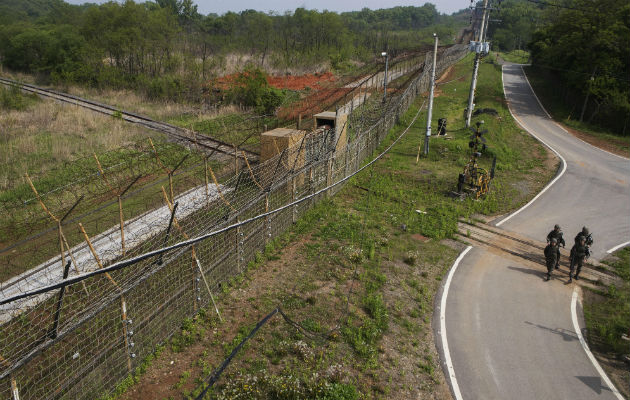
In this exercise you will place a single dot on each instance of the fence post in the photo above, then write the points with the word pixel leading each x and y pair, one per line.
pixel 195 282
pixel 329 175
pixel 311 181
pixel 122 226
pixel 14 389
pixel 293 190
pixel 267 229
pixel 239 248
pixel 127 333
pixel 205 174
pixel 53 332
pixel 208 288
pixel 345 167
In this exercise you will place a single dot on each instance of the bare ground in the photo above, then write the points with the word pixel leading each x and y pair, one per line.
pixel 618 146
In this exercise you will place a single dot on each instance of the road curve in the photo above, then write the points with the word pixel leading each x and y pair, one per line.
pixel 510 335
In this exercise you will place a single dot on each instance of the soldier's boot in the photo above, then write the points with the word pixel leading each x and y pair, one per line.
pixel 548 277
pixel 570 279
pixel 577 272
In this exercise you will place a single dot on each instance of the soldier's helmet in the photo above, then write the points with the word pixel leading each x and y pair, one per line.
pixel 556 227
pixel 554 240
pixel 585 230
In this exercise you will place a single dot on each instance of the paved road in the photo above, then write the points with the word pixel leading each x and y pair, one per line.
pixel 510 334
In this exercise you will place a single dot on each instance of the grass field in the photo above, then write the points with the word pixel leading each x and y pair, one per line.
pixel 358 273
pixel 607 315
pixel 516 56
pixel 43 135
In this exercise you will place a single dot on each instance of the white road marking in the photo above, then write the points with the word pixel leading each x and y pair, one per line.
pixel 532 89
pixel 576 327
pixel 617 247
pixel 564 163
pixel 447 354
pixel 493 373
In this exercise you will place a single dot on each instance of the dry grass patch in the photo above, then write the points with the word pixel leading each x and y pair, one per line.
pixel 48 134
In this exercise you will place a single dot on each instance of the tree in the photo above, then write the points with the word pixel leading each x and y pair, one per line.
pixel 590 39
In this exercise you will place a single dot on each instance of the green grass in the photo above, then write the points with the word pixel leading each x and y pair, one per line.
pixel 12 98
pixel 550 92
pixel 607 314
pixel 353 272
pixel 516 56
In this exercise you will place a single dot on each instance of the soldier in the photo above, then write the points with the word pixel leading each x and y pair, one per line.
pixel 584 233
pixel 556 234
pixel 579 253
pixel 551 256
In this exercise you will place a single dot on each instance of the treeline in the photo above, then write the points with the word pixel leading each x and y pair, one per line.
pixel 586 46
pixel 581 47
pixel 514 23
pixel 167 49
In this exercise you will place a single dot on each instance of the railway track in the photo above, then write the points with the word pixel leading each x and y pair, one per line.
pixel 213 147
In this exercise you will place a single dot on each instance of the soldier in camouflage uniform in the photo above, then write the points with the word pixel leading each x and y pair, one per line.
pixel 579 253
pixel 584 233
pixel 556 233
pixel 551 256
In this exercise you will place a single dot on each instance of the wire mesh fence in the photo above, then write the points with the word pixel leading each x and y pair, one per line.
pixel 99 290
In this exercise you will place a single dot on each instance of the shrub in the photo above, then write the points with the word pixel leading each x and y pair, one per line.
pixel 251 89
pixel 14 99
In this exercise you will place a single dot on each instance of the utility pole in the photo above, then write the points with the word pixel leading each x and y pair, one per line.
pixel 430 110
pixel 384 54
pixel 473 83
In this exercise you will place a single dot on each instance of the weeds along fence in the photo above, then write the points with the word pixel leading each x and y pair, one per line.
pixel 97 301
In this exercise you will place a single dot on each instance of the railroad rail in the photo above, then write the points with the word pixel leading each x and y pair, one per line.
pixel 213 147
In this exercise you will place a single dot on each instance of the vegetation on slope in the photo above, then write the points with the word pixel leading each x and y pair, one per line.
pixel 607 315
pixel 359 272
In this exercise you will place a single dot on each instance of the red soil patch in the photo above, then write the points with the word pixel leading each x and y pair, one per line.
pixel 316 102
pixel 301 82
pixel 291 82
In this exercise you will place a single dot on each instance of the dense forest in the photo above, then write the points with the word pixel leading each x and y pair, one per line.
pixel 581 47
pixel 585 45
pixel 167 49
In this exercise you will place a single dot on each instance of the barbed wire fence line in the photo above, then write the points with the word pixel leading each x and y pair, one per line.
pixel 103 296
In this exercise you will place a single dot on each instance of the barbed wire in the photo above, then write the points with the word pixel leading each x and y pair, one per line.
pixel 128 283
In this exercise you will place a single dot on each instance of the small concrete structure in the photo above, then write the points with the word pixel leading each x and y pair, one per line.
pixel 325 119
pixel 335 121
pixel 275 141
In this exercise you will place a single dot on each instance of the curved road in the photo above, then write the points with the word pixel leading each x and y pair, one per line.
pixel 511 335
